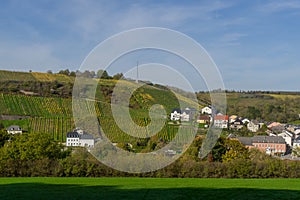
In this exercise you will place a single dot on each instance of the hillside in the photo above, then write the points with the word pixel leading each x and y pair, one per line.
pixel 42 103
pixel 33 76
pixel 268 106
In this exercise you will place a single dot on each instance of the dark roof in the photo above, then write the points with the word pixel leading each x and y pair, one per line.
pixel 238 121
pixel 245 140
pixel 191 109
pixel 297 139
pixel 177 110
pixel 255 122
pixel 72 135
pixel 81 136
pixel 204 117
pixel 268 139
pixel 86 136
pixel 14 128
pixel 261 139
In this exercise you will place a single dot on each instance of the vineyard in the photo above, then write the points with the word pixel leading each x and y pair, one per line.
pixel 53 115
pixel 51 77
pixel 33 76
pixel 35 106
pixel 57 126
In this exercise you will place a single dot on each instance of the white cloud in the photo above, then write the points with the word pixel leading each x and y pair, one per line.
pixel 276 6
pixel 231 39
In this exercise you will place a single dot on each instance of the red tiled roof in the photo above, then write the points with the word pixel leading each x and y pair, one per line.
pixel 221 117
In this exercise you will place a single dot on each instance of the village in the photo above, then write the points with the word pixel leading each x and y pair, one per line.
pixel 274 138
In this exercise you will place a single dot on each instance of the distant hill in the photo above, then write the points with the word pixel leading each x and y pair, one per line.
pixel 265 105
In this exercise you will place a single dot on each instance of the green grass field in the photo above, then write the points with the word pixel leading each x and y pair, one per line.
pixel 148 188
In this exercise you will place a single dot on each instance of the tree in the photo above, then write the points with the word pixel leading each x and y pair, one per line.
pixel 32 147
pixel 253 113
pixel 86 74
pixel 65 72
pixel 103 74
pixel 49 72
pixel 234 150
pixel 72 73
pixel 4 136
pixel 296 152
pixel 118 76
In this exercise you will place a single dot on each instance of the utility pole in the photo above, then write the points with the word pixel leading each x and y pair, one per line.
pixel 137 72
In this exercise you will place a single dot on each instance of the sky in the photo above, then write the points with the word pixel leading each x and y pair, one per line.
pixel 255 44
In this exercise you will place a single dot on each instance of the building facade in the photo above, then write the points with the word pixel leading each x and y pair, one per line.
pixel 269 144
pixel 78 138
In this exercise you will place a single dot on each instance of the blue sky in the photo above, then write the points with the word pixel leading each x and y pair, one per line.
pixel 255 44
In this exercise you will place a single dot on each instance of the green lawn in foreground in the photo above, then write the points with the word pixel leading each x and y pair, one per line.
pixel 148 188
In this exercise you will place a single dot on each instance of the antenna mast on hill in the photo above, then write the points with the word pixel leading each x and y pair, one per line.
pixel 137 72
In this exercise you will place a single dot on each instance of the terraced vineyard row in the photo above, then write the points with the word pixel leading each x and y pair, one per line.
pixel 33 76
pixel 16 76
pixel 58 127
pixel 34 106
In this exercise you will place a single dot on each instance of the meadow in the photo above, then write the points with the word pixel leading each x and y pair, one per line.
pixel 148 188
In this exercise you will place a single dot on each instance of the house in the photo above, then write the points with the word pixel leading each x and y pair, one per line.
pixel 203 119
pixel 72 139
pixel 86 140
pixel 297 131
pixel 175 114
pixel 287 136
pixel 277 129
pixel 268 144
pixel 207 110
pixel 237 124
pixel 79 138
pixel 245 121
pixel 221 121
pixel 186 115
pixel 274 124
pixel 14 129
pixel 232 118
pixel 296 142
pixel 254 126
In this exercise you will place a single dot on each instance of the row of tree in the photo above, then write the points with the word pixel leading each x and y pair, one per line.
pixel 89 74
pixel 38 155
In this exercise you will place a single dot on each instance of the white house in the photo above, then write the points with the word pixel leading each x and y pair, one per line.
pixel 287 136
pixel 206 110
pixel 245 121
pixel 72 139
pixel 296 142
pixel 78 138
pixel 254 126
pixel 175 114
pixel 14 129
pixel 186 115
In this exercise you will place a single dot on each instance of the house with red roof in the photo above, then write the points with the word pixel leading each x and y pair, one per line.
pixel 221 121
